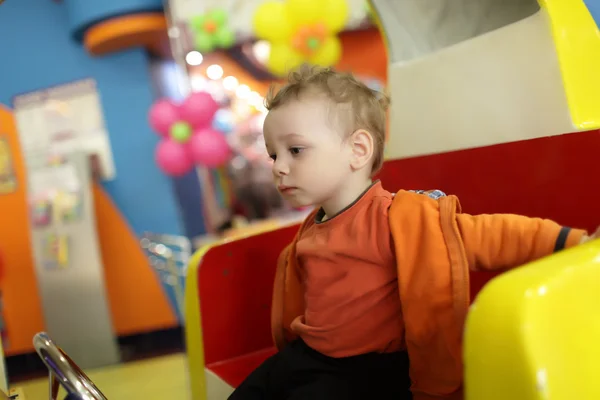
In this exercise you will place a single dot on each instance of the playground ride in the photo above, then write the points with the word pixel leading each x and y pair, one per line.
pixel 511 106
pixel 524 327
pixel 521 332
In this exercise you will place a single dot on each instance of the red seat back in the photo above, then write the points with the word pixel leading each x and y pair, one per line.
pixel 235 281
pixel 547 177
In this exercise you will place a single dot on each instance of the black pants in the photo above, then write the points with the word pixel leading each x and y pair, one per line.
pixel 300 373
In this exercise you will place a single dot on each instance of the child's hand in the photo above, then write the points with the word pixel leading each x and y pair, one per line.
pixel 587 238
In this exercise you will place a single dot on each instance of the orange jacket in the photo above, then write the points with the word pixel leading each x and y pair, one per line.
pixel 436 247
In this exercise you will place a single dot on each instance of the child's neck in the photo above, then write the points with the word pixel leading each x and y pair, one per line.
pixel 344 197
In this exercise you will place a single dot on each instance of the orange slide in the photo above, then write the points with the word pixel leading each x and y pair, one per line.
pixel 135 308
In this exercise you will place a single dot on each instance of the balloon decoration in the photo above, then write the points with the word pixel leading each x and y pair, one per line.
pixel 188 135
pixel 301 31
pixel 211 31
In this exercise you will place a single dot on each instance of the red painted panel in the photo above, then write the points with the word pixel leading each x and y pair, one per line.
pixel 550 177
pixel 235 370
pixel 553 177
pixel 236 286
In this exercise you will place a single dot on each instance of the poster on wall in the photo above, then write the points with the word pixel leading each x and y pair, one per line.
pixel 55 251
pixel 60 120
pixel 55 194
pixel 8 181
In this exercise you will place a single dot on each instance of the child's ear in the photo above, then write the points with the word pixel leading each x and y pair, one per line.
pixel 361 142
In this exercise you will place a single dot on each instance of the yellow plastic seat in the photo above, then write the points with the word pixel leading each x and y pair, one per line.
pixel 577 42
pixel 534 333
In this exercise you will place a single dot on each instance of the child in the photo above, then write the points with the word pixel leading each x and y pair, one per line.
pixel 372 280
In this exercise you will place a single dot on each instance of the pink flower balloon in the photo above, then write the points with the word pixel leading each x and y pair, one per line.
pixel 173 158
pixel 209 148
pixel 162 115
pixel 198 109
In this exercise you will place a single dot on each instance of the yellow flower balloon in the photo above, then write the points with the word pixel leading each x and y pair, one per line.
pixel 301 31
pixel 270 22
pixel 329 53
pixel 336 12
pixel 305 12
pixel 282 59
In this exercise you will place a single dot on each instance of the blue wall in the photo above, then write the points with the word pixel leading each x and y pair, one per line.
pixel 594 9
pixel 37 50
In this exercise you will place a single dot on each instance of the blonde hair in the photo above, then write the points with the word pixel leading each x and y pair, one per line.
pixel 367 107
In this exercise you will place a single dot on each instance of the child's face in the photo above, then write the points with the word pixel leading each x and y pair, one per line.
pixel 311 161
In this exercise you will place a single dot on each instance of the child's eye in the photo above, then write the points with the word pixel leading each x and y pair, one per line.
pixel 273 157
pixel 296 150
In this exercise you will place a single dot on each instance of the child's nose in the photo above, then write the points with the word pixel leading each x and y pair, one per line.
pixel 280 168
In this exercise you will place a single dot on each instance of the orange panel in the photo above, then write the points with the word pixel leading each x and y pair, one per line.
pixel 120 33
pixel 364 54
pixel 136 299
pixel 22 304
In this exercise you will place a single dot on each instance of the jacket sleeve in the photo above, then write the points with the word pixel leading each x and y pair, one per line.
pixel 502 241
pixel 287 291
pixel 278 330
